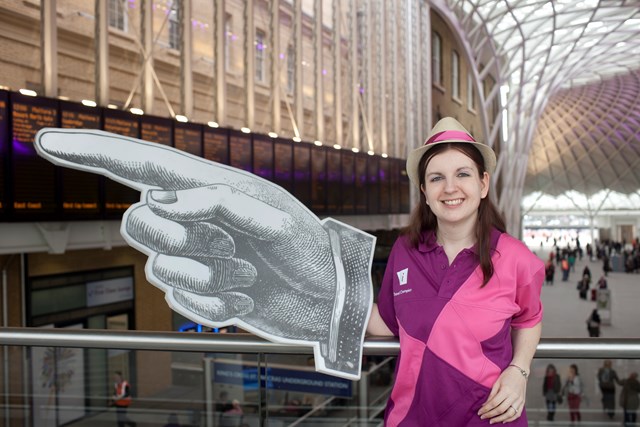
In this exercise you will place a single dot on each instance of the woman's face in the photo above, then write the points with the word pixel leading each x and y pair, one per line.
pixel 453 188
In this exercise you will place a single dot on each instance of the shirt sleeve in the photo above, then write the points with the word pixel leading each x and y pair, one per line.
pixel 386 307
pixel 528 296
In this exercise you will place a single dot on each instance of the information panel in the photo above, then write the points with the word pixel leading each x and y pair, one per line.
pixel 216 145
pixel 80 190
pixel 4 144
pixel 373 184
pixel 117 197
pixel 361 190
pixel 240 151
pixel 405 189
pixel 302 173
pixel 394 181
pixel 283 165
pixel 384 182
pixel 334 198
pixel 319 159
pixel 188 137
pixel 156 129
pixel 348 183
pixel 33 177
pixel 263 157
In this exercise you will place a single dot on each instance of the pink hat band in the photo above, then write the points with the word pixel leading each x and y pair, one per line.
pixel 450 135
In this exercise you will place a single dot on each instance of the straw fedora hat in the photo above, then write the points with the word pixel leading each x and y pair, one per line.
pixel 445 131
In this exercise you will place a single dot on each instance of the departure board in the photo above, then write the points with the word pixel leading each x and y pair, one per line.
pixel 33 177
pixel 80 190
pixel 188 137
pixel 348 183
pixel 361 189
pixel 4 147
pixel 405 189
pixel 318 179
pixel 156 129
pixel 394 181
pixel 373 184
pixel 334 198
pixel 385 188
pixel 283 164
pixel 302 173
pixel 240 150
pixel 216 145
pixel 117 197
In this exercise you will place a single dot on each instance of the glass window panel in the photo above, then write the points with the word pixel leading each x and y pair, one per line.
pixel 55 300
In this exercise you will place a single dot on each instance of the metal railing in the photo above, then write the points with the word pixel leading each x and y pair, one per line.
pixel 552 348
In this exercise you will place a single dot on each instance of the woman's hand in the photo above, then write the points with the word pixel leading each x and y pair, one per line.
pixel 507 398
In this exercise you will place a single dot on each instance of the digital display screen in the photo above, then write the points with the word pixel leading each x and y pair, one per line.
pixel 156 129
pixel 318 179
pixel 80 190
pixel 405 188
pixel 117 197
pixel 334 198
pixel 361 188
pixel 302 173
pixel 348 183
pixel 33 177
pixel 263 157
pixel 283 165
pixel 4 136
pixel 373 184
pixel 216 145
pixel 188 138
pixel 385 187
pixel 240 151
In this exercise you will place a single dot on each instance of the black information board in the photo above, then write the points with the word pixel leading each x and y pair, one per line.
pixel 240 150
pixel 263 157
pixel 188 138
pixel 373 184
pixel 283 164
pixel 319 161
pixel 361 188
pixel 334 196
pixel 117 197
pixel 33 179
pixel 4 148
pixel 156 129
pixel 348 187
pixel 80 190
pixel 405 188
pixel 385 187
pixel 302 173
pixel 216 145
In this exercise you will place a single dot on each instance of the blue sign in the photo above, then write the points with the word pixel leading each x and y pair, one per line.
pixel 281 379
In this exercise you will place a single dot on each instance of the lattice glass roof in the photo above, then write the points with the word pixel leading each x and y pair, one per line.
pixel 572 72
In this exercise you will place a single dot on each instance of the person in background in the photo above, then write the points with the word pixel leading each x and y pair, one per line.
pixel 583 286
pixel 586 272
pixel 573 390
pixel 565 269
pixel 549 272
pixel 593 324
pixel 121 399
pixel 602 283
pixel 629 398
pixel 551 388
pixel 462 295
pixel 607 379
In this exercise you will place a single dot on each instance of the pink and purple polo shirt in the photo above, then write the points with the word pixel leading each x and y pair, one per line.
pixel 455 337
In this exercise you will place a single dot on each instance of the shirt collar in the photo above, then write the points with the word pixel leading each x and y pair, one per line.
pixel 428 241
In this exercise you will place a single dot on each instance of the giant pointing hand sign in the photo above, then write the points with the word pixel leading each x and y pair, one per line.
pixel 228 247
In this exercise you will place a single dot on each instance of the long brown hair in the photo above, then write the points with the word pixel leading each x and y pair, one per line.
pixel 423 219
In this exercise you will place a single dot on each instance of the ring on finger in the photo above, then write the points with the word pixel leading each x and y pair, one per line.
pixel 514 409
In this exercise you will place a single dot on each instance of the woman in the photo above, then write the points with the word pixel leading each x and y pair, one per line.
pixel 573 389
pixel 551 387
pixel 593 324
pixel 629 398
pixel 462 295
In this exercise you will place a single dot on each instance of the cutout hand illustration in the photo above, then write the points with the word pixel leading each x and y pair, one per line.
pixel 228 247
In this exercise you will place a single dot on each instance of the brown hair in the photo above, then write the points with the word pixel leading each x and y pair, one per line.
pixel 423 219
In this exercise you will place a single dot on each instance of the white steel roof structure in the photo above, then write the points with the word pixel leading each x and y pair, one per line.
pixel 569 78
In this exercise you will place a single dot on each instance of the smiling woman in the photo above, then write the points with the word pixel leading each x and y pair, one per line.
pixel 465 360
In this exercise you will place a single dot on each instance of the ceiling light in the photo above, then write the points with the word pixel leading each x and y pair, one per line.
pixel 245 129
pixel 112 106
pixel 318 143
pixel 137 111
pixel 28 92
pixel 213 124
pixel 181 118
pixel 273 134
pixel 355 150
pixel 63 98
pixel 336 146
pixel 297 139
pixel 89 103
pixel 384 155
pixel 370 152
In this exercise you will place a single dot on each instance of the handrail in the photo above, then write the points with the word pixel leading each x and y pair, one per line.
pixel 549 348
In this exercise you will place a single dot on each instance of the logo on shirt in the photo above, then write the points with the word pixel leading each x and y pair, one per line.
pixel 402 276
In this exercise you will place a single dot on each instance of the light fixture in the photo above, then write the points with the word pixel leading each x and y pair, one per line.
pixel 89 103
pixel 245 129
pixel 181 118
pixel 136 111
pixel 336 146
pixel 355 150
pixel 213 124
pixel 297 139
pixel 2 87
pixel 63 98
pixel 112 106
pixel 384 155
pixel 28 92
pixel 273 134
pixel 318 143
pixel 370 152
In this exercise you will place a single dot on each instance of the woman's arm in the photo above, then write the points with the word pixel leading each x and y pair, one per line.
pixel 376 325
